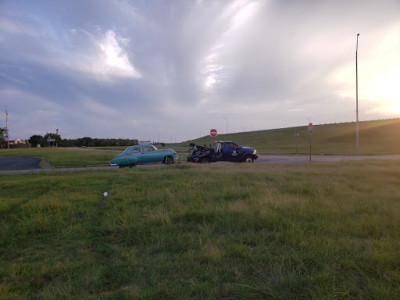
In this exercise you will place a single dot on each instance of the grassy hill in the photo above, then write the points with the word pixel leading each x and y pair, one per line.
pixel 376 137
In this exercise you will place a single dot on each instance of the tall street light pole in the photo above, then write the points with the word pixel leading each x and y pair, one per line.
pixel 226 120
pixel 357 137
pixel 7 132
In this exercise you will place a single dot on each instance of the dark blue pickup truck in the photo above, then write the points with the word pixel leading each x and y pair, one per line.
pixel 222 151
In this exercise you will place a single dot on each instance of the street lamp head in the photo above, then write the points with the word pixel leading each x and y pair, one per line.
pixel 358 34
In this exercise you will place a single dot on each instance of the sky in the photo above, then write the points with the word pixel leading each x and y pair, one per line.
pixel 171 70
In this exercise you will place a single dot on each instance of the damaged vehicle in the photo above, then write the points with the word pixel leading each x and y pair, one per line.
pixel 222 151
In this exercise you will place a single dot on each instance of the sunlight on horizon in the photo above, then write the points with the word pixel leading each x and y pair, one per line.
pixel 378 76
pixel 385 89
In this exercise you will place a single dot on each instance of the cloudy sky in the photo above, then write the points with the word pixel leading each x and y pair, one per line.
pixel 170 70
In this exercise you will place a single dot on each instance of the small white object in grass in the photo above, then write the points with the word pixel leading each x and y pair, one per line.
pixel 105 194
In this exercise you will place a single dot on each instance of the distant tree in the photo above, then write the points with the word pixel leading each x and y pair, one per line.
pixel 95 142
pixel 2 141
pixel 35 140
pixel 68 143
pixel 85 141
pixel 52 139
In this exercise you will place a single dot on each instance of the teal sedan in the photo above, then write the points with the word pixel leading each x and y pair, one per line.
pixel 141 154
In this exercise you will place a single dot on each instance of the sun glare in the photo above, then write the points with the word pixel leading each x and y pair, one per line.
pixel 210 80
pixel 385 89
pixel 115 58
pixel 378 74
pixel 381 89
pixel 378 84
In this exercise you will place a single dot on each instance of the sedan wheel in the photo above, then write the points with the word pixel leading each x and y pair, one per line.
pixel 168 160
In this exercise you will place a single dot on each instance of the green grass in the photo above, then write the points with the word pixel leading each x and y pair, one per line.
pixel 65 157
pixel 60 157
pixel 376 137
pixel 230 231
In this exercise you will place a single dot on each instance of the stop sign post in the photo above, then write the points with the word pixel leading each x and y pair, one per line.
pixel 213 132
pixel 310 130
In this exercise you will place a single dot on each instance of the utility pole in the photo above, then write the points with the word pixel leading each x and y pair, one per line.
pixel 56 137
pixel 7 135
pixel 357 137
pixel 226 120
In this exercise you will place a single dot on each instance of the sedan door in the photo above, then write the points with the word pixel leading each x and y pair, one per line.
pixel 133 156
pixel 150 155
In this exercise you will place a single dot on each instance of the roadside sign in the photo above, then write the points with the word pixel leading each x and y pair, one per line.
pixel 310 127
pixel 213 132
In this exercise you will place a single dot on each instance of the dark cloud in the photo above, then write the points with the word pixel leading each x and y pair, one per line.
pixel 174 69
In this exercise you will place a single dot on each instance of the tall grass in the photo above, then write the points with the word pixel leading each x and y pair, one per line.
pixel 303 231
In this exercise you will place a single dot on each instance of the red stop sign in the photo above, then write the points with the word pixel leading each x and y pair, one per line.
pixel 213 132
pixel 310 127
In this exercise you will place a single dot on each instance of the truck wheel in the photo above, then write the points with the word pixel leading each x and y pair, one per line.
pixel 248 159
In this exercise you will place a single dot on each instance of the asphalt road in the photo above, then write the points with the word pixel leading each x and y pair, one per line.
pixel 11 163
pixel 290 158
pixel 31 163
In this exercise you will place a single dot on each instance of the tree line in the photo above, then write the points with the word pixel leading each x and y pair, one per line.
pixel 55 140
pixel 2 140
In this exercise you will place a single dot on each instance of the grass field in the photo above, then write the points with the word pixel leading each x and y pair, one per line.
pixel 218 231
pixel 376 137
pixel 63 157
